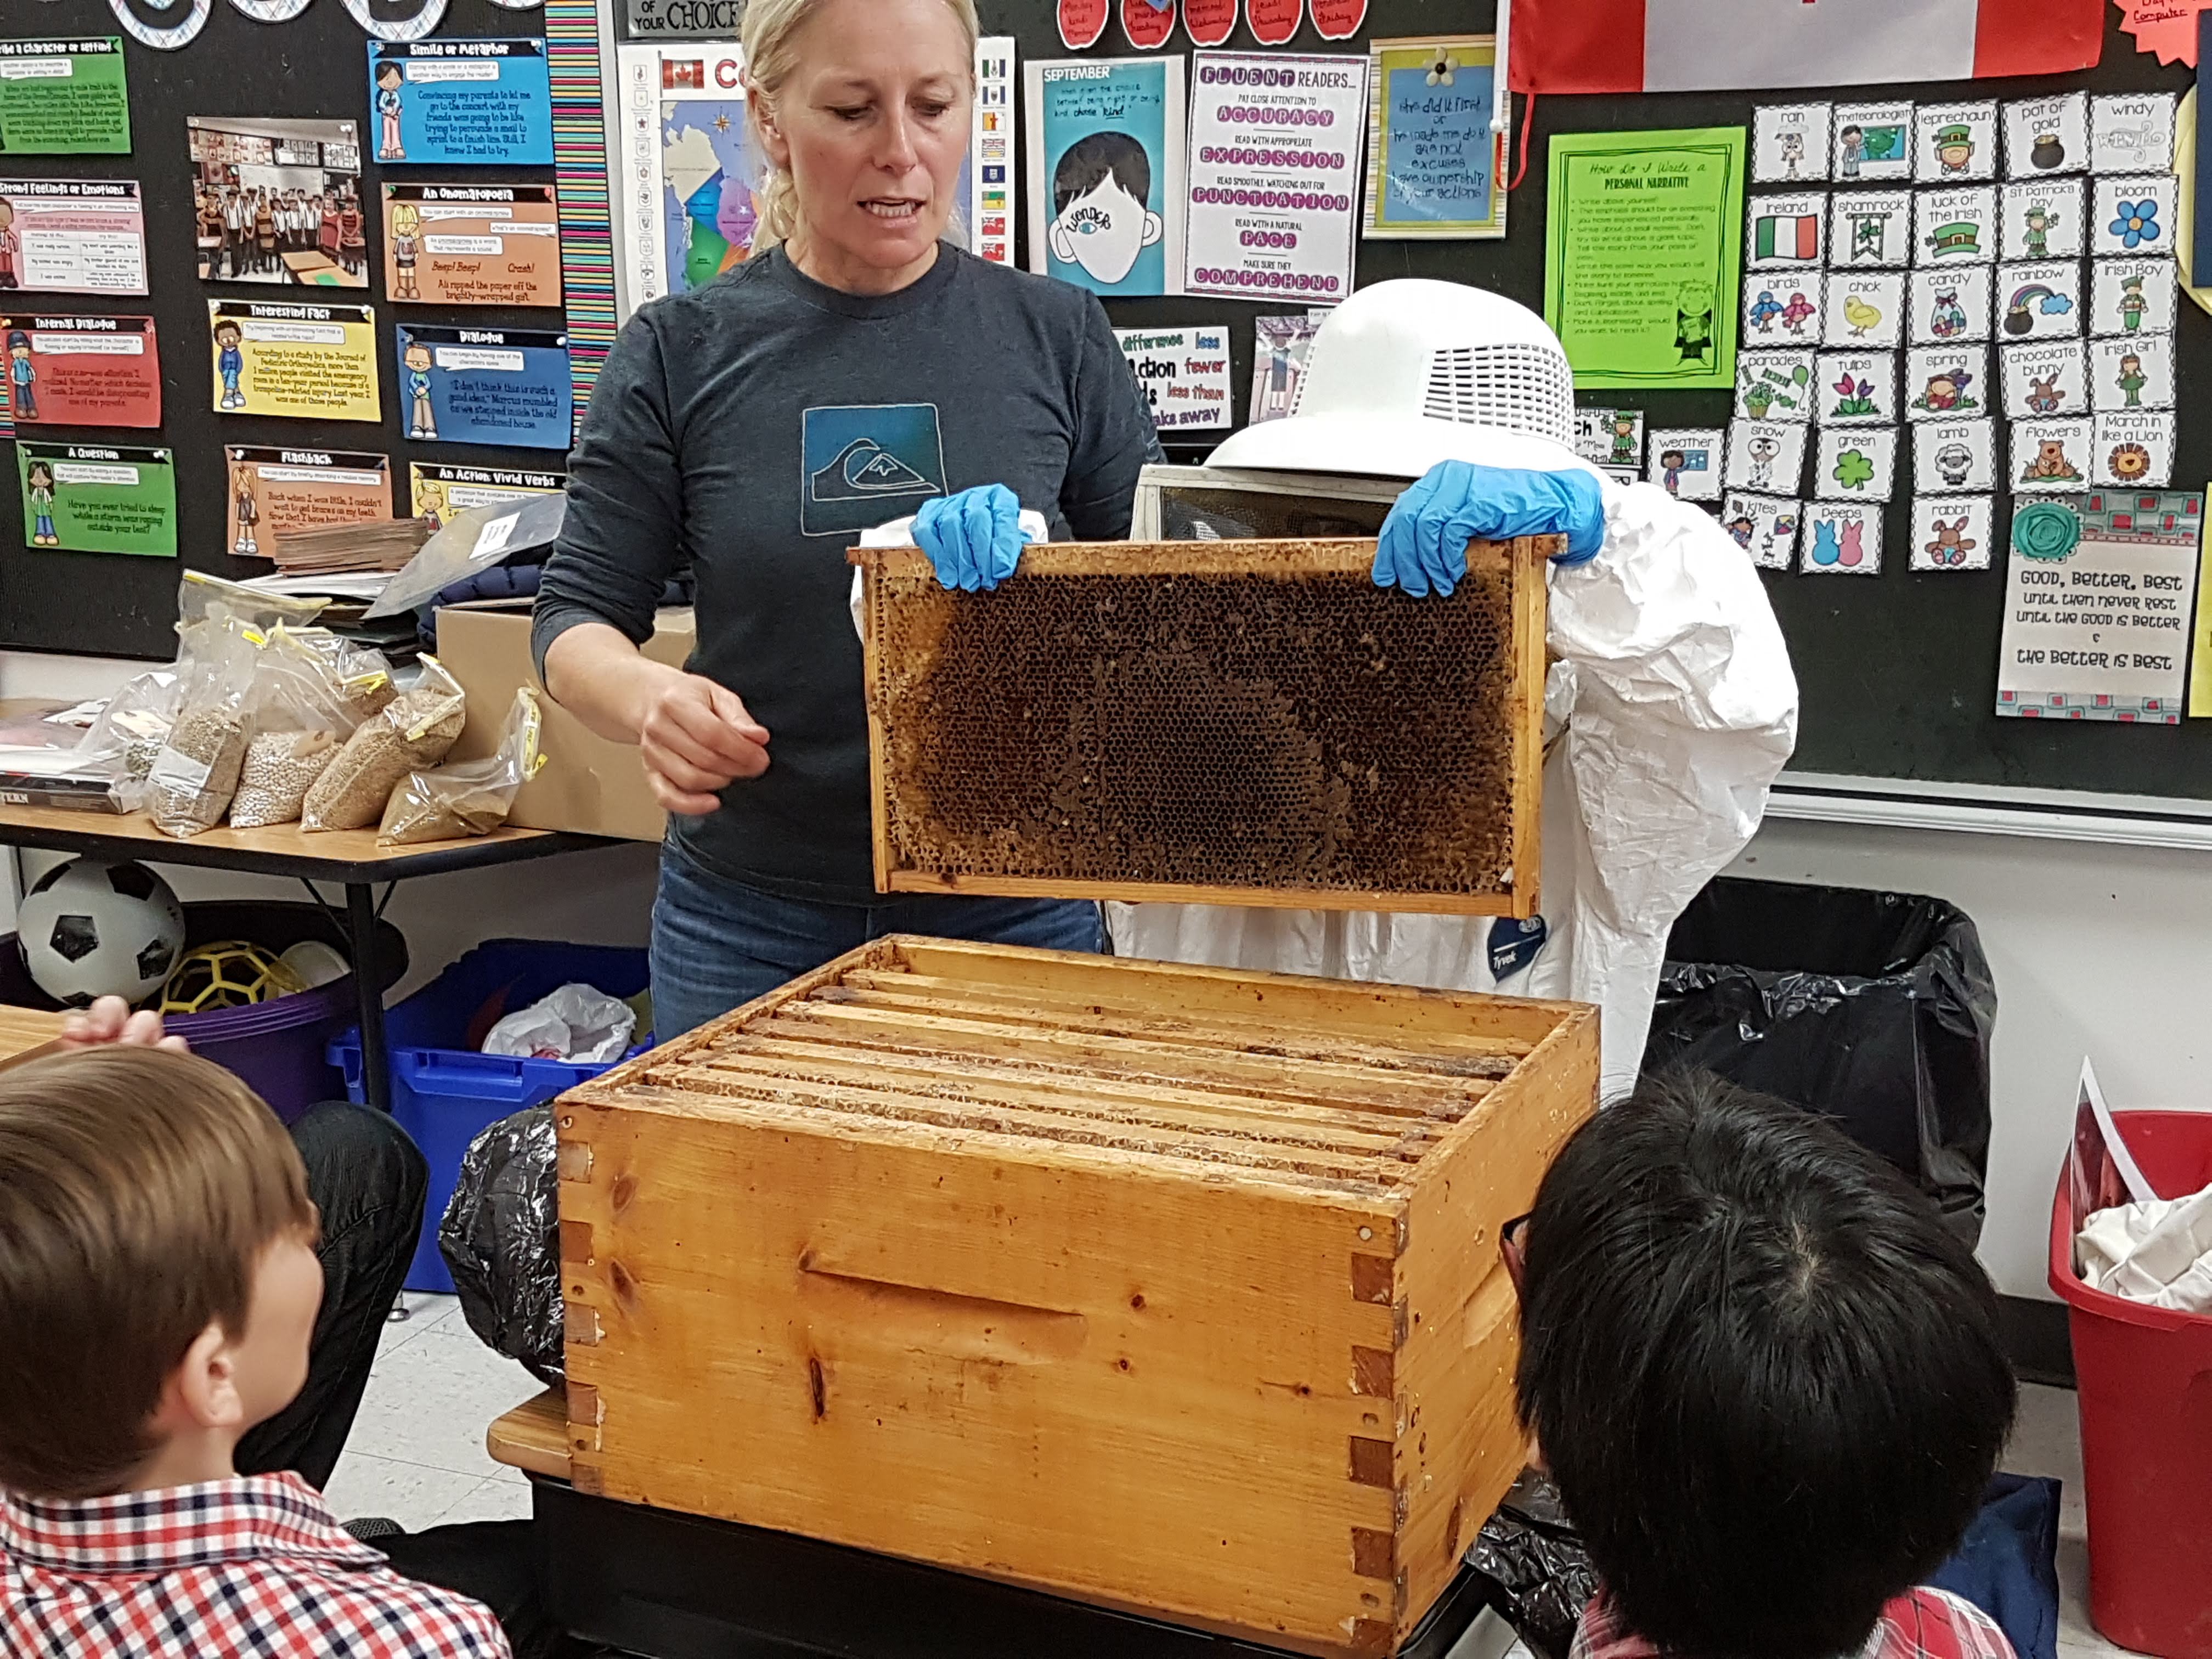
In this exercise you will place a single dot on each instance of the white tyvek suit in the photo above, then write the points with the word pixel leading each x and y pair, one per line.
pixel 1680 707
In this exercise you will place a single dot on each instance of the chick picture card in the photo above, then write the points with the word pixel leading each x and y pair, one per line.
pixel 2041 219
pixel 1774 385
pixel 1955 143
pixel 1107 178
pixel 1949 306
pixel 2051 378
pixel 2133 296
pixel 2133 451
pixel 1786 233
pixel 1856 388
pixel 1783 307
pixel 1686 462
pixel 2133 214
pixel 1869 228
pixel 2049 456
pixel 2131 372
pixel 1956 226
pixel 1873 142
pixel 1840 538
pixel 1864 308
pixel 1764 526
pixel 1952 532
pixel 2046 136
pixel 486 385
pixel 1948 456
pixel 1855 464
pixel 2038 301
pixel 1790 143
pixel 1943 383
pixel 2132 132
pixel 1766 457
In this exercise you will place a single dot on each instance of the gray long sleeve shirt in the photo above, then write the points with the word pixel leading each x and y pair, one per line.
pixel 750 429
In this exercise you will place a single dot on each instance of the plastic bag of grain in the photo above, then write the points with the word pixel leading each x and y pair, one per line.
pixel 469 798
pixel 311 690
pixel 189 785
pixel 414 731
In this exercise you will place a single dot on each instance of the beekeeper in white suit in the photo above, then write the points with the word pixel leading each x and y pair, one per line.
pixel 1672 682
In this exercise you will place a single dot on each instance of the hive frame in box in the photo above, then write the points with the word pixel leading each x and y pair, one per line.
pixel 1171 1289
pixel 899 591
pixel 1147 522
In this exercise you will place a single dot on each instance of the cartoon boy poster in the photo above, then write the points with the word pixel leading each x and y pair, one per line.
pixel 1106 172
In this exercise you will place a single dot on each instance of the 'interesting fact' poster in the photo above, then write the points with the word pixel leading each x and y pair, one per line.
pixel 63 98
pixel 475 103
pixel 96 498
pixel 307 363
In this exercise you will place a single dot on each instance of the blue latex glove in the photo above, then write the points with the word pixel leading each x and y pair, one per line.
pixel 1424 540
pixel 974 539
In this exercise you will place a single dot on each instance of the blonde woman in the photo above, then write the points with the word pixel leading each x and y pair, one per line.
pixel 404 222
pixel 857 370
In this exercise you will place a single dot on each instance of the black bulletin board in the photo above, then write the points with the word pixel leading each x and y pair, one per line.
pixel 315 67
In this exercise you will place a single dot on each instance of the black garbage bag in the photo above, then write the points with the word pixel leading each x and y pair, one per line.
pixel 502 1241
pixel 1874 1010
pixel 1539 1577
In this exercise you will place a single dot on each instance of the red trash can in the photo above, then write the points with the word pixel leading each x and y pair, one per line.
pixel 2144 1377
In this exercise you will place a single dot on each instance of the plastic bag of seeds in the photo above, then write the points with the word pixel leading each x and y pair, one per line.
pixel 189 785
pixel 414 731
pixel 469 798
pixel 136 723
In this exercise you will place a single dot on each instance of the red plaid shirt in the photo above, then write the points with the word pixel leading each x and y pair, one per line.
pixel 1921 1623
pixel 244 1567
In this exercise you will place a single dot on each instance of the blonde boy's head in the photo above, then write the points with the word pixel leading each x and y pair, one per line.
pixel 153 1219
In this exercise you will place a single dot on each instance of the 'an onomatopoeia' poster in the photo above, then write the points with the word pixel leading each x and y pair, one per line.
pixel 72 236
pixel 81 371
pixel 94 498
pixel 483 103
pixel 437 492
pixel 1183 372
pixel 486 385
pixel 309 362
pixel 1275 175
pixel 63 98
pixel 472 245
pixel 274 492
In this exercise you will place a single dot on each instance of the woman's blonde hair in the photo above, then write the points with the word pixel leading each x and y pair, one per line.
pixel 769 36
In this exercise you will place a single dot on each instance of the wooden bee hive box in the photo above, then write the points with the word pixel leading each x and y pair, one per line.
pixel 1247 722
pixel 1167 1288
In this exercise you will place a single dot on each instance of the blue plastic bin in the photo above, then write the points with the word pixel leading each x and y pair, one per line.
pixel 444 1093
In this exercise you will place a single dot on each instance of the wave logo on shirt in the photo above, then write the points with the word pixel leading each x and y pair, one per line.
pixel 865 465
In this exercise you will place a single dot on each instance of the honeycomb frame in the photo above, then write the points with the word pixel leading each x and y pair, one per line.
pixel 1222 722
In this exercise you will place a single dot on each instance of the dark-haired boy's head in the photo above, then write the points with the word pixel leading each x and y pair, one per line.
pixel 1090 160
pixel 1767 1379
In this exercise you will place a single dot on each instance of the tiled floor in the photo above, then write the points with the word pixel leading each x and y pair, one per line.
pixel 417 1454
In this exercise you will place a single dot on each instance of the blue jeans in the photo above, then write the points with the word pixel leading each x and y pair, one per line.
pixel 718 944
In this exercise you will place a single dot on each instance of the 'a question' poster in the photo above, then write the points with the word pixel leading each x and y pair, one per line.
pixel 477 103
pixel 98 498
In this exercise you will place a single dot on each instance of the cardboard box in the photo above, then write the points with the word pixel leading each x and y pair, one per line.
pixel 1167 1288
pixel 589 785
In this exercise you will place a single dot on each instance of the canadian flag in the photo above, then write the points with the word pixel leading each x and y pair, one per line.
pixel 1698 45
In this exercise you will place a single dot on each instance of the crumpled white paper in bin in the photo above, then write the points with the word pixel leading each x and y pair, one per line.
pixel 2158 1252
pixel 575 1024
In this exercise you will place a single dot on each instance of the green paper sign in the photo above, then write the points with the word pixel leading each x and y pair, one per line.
pixel 63 98
pixel 1642 255
pixel 98 498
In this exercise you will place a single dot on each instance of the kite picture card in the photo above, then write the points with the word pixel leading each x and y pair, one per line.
pixel 1786 232
pixel 1856 388
pixel 2046 136
pixel 1790 143
pixel 2127 373
pixel 1949 456
pixel 1855 464
pixel 1766 457
pixel 2133 451
pixel 1865 308
pixel 2132 132
pixel 1952 532
pixel 1764 526
pixel 1869 228
pixel 1957 227
pixel 2049 456
pixel 2133 214
pixel 2038 301
pixel 1687 461
pixel 1947 383
pixel 2042 219
pixel 2133 296
pixel 2046 379
pixel 1774 385
pixel 1952 144
pixel 1783 307
pixel 1841 538
pixel 1950 305
pixel 1874 142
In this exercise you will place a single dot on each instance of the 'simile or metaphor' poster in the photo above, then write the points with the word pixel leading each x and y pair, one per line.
pixel 478 102
pixel 1275 177
pixel 1107 183
pixel 1644 244
pixel 63 97
pixel 98 498
pixel 486 385
pixel 275 492
pixel 80 371
pixel 72 236
pixel 306 361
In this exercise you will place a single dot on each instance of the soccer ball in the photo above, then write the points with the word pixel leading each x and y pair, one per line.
pixel 92 930
pixel 231 974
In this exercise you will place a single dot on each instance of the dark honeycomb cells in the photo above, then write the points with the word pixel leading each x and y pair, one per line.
pixel 1249 730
